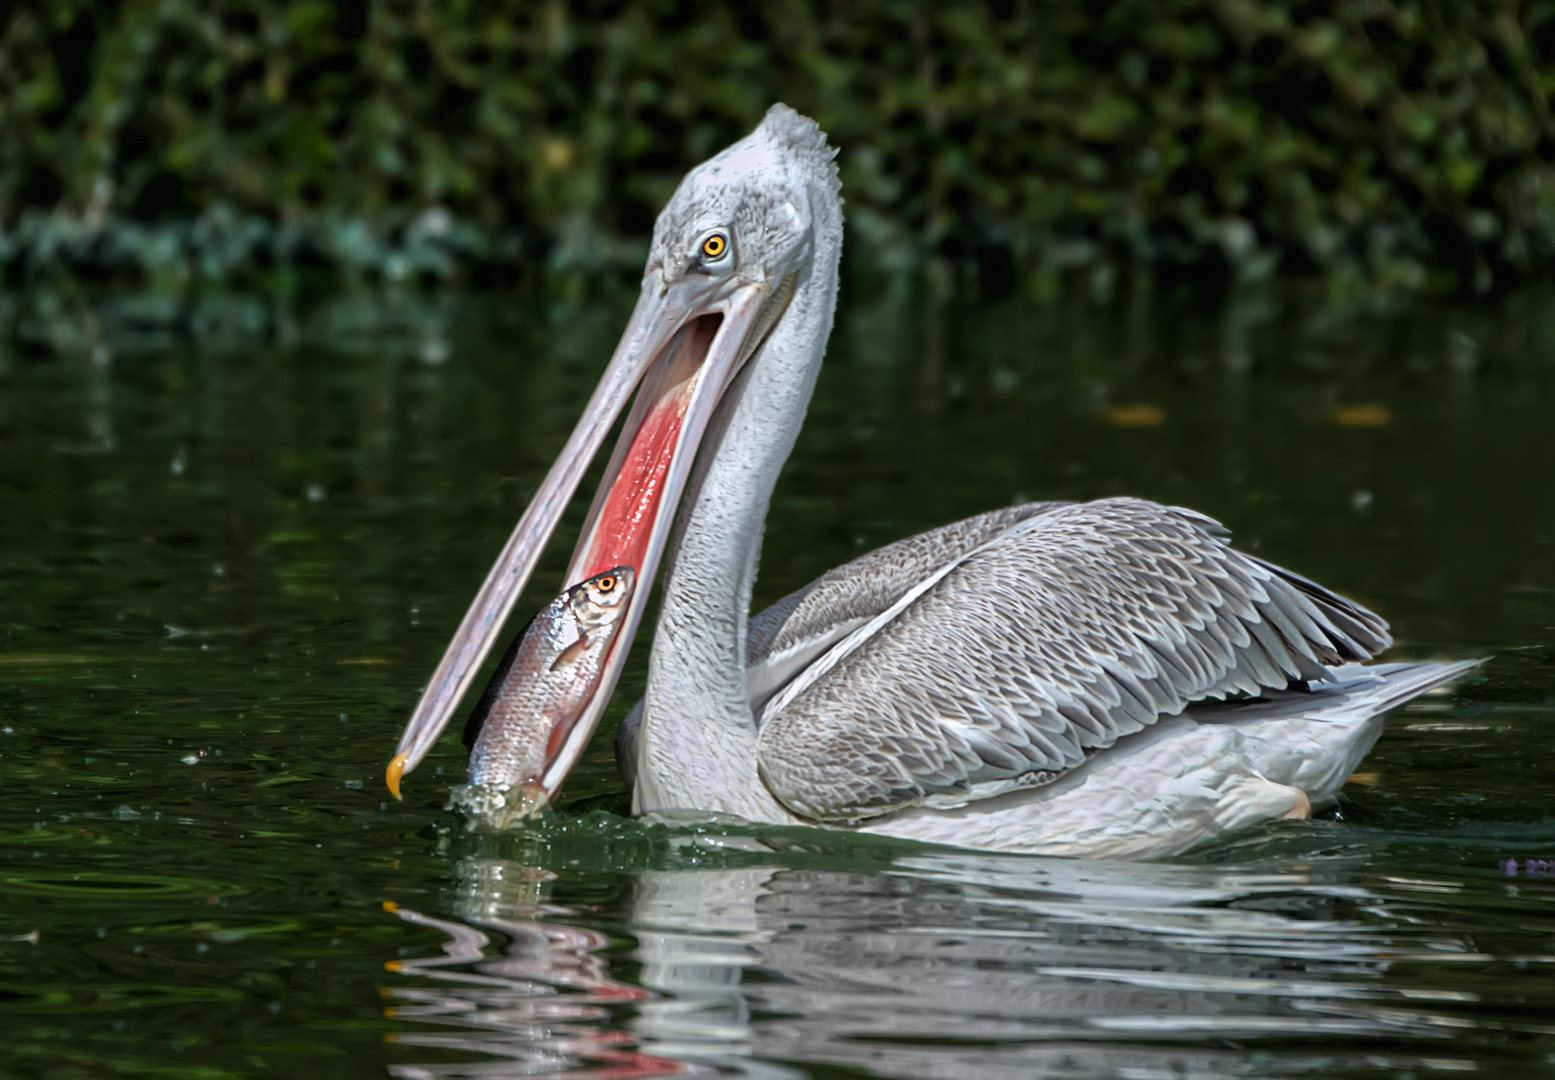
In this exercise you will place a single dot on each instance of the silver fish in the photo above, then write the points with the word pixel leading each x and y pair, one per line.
pixel 536 695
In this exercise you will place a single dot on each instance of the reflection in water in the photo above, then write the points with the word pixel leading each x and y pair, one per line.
pixel 537 1008
pixel 947 965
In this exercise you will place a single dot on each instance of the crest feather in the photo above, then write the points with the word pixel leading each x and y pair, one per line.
pixel 803 138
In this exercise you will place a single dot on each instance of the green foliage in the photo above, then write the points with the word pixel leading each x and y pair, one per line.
pixel 1400 142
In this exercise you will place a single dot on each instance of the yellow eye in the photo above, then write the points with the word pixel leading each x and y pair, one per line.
pixel 606 583
pixel 714 246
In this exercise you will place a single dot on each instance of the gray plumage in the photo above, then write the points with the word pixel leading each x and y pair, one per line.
pixel 1048 631
pixel 1068 627
pixel 786 637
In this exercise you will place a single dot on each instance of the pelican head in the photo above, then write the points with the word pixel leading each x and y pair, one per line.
pixel 746 216
pixel 742 234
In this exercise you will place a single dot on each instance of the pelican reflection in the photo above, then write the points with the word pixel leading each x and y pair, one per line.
pixel 945 965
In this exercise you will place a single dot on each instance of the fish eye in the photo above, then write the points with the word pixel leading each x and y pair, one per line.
pixel 714 246
pixel 607 583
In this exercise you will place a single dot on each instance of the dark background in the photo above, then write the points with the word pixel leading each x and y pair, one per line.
pixel 1000 147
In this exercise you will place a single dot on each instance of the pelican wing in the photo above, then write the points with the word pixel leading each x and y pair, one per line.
pixel 784 641
pixel 786 638
pixel 1051 636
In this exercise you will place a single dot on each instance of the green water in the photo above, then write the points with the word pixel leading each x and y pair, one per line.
pixel 231 553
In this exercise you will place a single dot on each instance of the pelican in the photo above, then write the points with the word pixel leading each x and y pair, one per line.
pixel 1105 679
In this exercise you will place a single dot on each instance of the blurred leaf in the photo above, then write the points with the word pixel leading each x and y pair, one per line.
pixel 1353 138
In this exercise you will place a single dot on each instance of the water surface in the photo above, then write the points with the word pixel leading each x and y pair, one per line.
pixel 232 550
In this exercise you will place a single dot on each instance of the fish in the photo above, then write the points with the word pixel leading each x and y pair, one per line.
pixel 537 693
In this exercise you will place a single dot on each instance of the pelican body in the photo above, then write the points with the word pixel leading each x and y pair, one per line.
pixel 1040 678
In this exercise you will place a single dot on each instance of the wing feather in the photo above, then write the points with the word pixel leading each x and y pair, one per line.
pixel 793 633
pixel 1050 636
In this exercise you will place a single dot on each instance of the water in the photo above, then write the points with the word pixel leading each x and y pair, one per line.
pixel 231 554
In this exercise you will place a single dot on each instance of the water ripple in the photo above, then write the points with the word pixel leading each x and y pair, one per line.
pixel 947 965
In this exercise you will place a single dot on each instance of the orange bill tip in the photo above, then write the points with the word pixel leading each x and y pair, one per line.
pixel 392 775
pixel 390 906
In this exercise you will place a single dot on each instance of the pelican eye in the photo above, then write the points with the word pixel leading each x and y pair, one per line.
pixel 714 246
